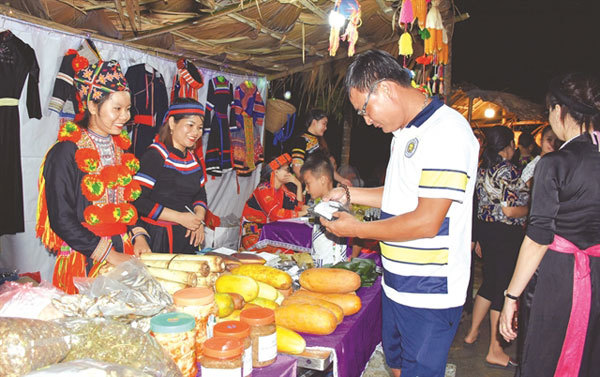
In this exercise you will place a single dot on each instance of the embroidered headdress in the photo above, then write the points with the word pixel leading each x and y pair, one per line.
pixel 96 80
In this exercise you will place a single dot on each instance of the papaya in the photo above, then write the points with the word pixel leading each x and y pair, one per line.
pixel 330 280
pixel 265 303
pixel 334 308
pixel 307 318
pixel 350 303
pixel 266 291
pixel 224 304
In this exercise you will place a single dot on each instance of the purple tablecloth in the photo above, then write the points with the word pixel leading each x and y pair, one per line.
pixel 289 234
pixel 356 337
pixel 284 366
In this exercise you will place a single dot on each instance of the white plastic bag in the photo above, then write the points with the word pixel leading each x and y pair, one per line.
pixel 88 368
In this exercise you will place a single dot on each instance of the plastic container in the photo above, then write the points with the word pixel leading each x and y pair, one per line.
pixel 199 303
pixel 176 333
pixel 263 334
pixel 221 357
pixel 238 330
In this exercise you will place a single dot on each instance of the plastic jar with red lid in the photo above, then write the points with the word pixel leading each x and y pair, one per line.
pixel 238 330
pixel 263 334
pixel 221 357
pixel 199 303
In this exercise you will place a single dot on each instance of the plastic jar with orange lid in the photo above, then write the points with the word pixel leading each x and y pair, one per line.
pixel 199 303
pixel 221 357
pixel 263 334
pixel 239 330
pixel 175 333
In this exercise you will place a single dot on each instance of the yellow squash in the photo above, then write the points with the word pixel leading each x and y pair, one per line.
pixel 265 303
pixel 243 285
pixel 266 291
pixel 289 341
pixel 269 275
pixel 225 304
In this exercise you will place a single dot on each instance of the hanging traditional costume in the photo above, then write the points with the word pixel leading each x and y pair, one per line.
pixel 149 103
pixel 85 184
pixel 65 99
pixel 246 144
pixel 17 61
pixel 268 204
pixel 171 179
pixel 187 81
pixel 219 102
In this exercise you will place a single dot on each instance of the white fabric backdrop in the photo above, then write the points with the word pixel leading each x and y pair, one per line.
pixel 24 251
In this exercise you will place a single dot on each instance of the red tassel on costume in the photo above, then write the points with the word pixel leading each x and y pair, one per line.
pixel 66 268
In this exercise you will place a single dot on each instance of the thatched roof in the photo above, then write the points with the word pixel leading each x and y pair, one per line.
pixel 509 109
pixel 267 37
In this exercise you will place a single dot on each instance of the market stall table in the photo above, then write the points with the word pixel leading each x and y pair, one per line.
pixel 356 337
pixel 284 366
pixel 293 234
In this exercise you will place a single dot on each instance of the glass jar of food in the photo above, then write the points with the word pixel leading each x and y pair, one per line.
pixel 175 332
pixel 263 335
pixel 200 303
pixel 241 331
pixel 221 357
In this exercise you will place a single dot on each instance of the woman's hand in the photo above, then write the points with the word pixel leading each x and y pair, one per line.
pixel 196 236
pixel 303 211
pixel 115 258
pixel 506 319
pixel 140 246
pixel 291 178
pixel 478 249
pixel 189 220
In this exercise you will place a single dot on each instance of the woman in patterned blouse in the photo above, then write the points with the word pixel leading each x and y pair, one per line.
pixel 502 212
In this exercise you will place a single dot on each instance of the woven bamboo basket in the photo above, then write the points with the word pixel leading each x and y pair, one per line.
pixel 276 114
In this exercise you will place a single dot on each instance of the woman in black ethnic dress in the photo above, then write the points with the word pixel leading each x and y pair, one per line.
pixel 86 181
pixel 563 242
pixel 173 180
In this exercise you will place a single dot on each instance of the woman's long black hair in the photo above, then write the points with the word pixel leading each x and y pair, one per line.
pixel 497 138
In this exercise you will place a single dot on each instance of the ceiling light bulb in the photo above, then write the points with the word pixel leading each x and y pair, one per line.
pixel 336 19
pixel 287 94
pixel 489 113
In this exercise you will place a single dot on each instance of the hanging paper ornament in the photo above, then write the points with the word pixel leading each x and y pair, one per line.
pixel 420 12
pixel 435 25
pixel 405 44
pixel 406 14
pixel 351 34
pixel 424 34
pixel 344 10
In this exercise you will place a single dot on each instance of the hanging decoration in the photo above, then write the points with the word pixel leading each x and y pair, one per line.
pixel 344 12
pixel 426 16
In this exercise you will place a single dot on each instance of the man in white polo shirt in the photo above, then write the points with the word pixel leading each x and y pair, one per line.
pixel 425 226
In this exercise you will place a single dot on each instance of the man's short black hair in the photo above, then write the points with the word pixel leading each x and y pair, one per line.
pixel 318 165
pixel 373 65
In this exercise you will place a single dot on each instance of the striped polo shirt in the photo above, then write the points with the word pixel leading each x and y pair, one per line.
pixel 434 156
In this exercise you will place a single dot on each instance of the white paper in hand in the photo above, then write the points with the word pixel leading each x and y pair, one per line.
pixel 327 209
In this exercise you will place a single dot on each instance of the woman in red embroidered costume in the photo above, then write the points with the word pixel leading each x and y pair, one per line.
pixel 172 180
pixel 86 182
pixel 272 200
pixel 562 243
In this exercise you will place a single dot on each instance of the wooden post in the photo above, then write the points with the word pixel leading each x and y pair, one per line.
pixel 470 110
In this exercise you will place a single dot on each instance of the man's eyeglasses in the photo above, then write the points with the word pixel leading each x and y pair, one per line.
pixel 362 112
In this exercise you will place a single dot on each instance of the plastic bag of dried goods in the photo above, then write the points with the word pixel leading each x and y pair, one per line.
pixel 89 368
pixel 29 344
pixel 115 342
pixel 29 301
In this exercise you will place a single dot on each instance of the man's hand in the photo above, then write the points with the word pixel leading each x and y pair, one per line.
pixel 196 236
pixel 140 246
pixel 337 194
pixel 345 225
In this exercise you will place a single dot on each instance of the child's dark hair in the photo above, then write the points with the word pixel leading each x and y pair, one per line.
pixel 497 138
